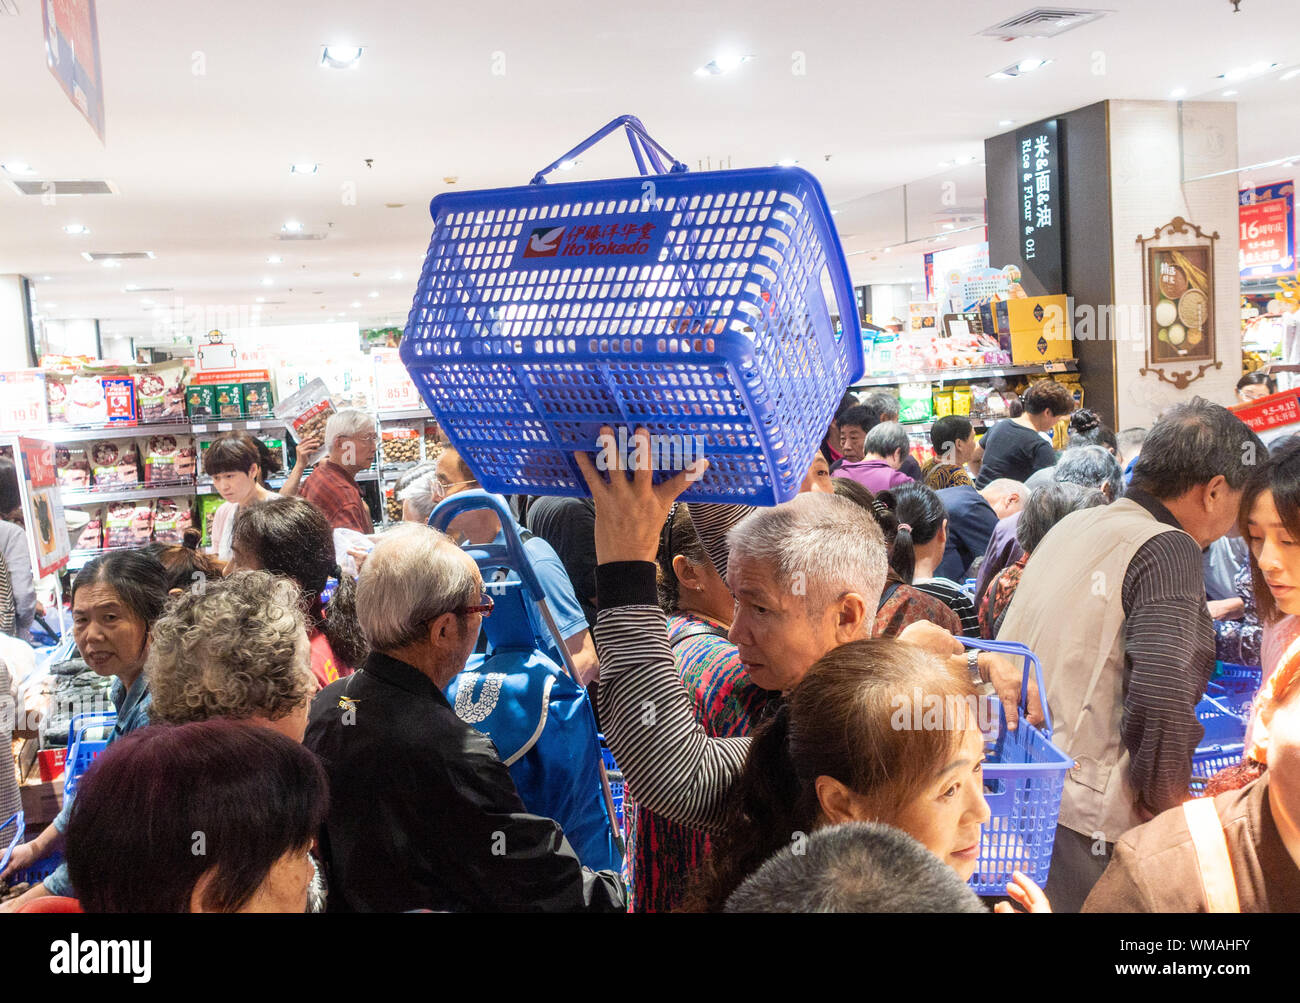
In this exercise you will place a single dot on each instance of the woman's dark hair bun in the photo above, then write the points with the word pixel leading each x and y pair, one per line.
pixel 1084 420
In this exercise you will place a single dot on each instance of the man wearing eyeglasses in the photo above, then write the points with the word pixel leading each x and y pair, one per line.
pixel 423 814
pixel 482 526
pixel 351 439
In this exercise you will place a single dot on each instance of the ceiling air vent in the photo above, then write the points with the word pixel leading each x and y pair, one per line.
pixel 117 255
pixel 1043 22
pixel 302 236
pixel 64 188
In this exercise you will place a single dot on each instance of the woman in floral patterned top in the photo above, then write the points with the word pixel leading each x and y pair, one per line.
pixel 662 855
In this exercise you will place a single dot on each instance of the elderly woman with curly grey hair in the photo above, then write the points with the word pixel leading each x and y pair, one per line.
pixel 238 649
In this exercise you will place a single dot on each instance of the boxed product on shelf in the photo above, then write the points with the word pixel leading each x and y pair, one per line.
pixel 72 466
pixel 171 518
pixel 229 399
pixel 258 402
pixel 161 392
pixel 1040 329
pixel 56 398
pixel 119 399
pixel 306 412
pixel 200 401
pixel 168 459
pixel 91 536
pixel 128 524
pixel 86 403
pixel 114 461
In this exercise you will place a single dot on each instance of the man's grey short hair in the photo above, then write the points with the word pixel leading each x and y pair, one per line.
pixel 1129 441
pixel 824 543
pixel 420 494
pixel 411 577
pixel 1092 467
pixel 1049 505
pixel 1004 486
pixel 886 439
pixel 855 867
pixel 1193 443
pixel 884 402
pixel 350 421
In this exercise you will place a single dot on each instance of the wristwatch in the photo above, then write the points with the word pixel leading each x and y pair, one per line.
pixel 973 664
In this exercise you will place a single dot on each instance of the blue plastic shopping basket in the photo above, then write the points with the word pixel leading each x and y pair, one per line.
pixel 1223 743
pixel 1024 778
pixel 82 749
pixel 690 304
pixel 38 871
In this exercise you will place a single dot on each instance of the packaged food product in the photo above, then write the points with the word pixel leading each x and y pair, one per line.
pixel 171 518
pixel 85 404
pixel 979 398
pixel 257 400
pixel 119 399
pixel 208 505
pixel 114 461
pixel 915 402
pixel 306 412
pixel 230 399
pixel 962 399
pixel 56 397
pixel 942 403
pixel 128 524
pixel 161 391
pixel 91 536
pixel 72 467
pixel 168 459
pixel 401 446
pixel 200 401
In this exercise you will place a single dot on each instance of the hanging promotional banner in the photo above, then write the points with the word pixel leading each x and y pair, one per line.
pixel 72 54
pixel 47 532
pixel 1267 218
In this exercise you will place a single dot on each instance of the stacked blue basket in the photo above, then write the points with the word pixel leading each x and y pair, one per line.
pixel 1225 714
pixel 690 304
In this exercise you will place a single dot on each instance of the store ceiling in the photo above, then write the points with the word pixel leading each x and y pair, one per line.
pixel 207 107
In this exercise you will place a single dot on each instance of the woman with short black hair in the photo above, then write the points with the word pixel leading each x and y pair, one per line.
pixel 1014 448
pixel 232 810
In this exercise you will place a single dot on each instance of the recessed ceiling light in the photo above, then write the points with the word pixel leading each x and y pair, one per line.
pixel 1178 92
pixel 947 226
pixel 292 226
pixel 17 167
pixel 1029 65
pixel 260 299
pixel 46 278
pixel 77 229
pixel 340 57
pixel 374 295
pixel 1253 70
pixel 303 168
pixel 1019 69
pixel 354 304
pixel 274 259
pixel 1006 122
pixel 396 276
pixel 131 288
pixel 720 64
pixel 965 160
pixel 111 263
pixel 1228 94
pixel 888 249
pixel 268 281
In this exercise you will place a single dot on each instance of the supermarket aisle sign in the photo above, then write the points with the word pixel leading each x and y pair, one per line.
pixel 1041 203
pixel 1267 219
pixel 72 54
pixel 23 406
pixel 47 532
pixel 617 239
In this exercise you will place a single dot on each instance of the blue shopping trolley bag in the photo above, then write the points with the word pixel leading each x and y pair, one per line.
pixel 536 713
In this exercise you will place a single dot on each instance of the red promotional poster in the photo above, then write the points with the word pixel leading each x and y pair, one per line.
pixel 1271 412
pixel 47 532
pixel 72 54
pixel 1267 219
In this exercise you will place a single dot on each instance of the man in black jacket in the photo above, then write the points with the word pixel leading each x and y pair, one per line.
pixel 423 814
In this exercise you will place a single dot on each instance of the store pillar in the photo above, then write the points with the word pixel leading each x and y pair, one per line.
pixel 15 324
pixel 1129 172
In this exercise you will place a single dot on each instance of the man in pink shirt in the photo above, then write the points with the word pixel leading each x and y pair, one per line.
pixel 883 452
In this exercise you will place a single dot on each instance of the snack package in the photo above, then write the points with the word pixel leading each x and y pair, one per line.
pixel 56 397
pixel 230 400
pixel 91 536
pixel 168 459
pixel 257 400
pixel 86 404
pixel 119 399
pixel 915 402
pixel 401 446
pixel 962 398
pixel 942 403
pixel 979 398
pixel 114 461
pixel 128 524
pixel 72 467
pixel 171 518
pixel 200 401
pixel 161 392
pixel 306 412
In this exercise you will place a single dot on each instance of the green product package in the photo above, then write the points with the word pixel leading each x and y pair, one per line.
pixel 257 400
pixel 230 400
pixel 208 505
pixel 200 401
pixel 915 402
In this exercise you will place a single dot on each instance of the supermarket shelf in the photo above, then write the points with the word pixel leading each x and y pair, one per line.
pixel 925 426
pixel 973 373
pixel 98 496
pixel 408 415
pixel 234 424
pixel 78 559
pixel 204 486
pixel 59 433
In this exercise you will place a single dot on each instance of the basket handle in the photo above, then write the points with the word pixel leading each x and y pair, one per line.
pixel 97 719
pixel 643 148
pixel 18 835
pixel 1019 651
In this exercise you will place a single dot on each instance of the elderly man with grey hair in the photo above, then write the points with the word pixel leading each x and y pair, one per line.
pixel 350 441
pixel 807 577
pixel 423 814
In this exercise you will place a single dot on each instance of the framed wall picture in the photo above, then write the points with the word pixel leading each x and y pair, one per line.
pixel 1179 281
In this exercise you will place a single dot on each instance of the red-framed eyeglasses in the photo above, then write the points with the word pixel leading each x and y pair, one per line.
pixel 482 609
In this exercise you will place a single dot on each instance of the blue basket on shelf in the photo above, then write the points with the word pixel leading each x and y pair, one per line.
pixel 82 749
pixel 691 304
pixel 1024 778
pixel 1224 741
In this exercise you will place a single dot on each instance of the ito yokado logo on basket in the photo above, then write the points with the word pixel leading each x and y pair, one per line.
pixel 624 239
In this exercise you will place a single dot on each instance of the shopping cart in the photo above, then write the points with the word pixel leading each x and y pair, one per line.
pixel 1024 778
pixel 82 749
pixel 693 304
pixel 535 711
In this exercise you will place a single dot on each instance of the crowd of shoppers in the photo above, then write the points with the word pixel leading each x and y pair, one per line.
pixel 773 649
